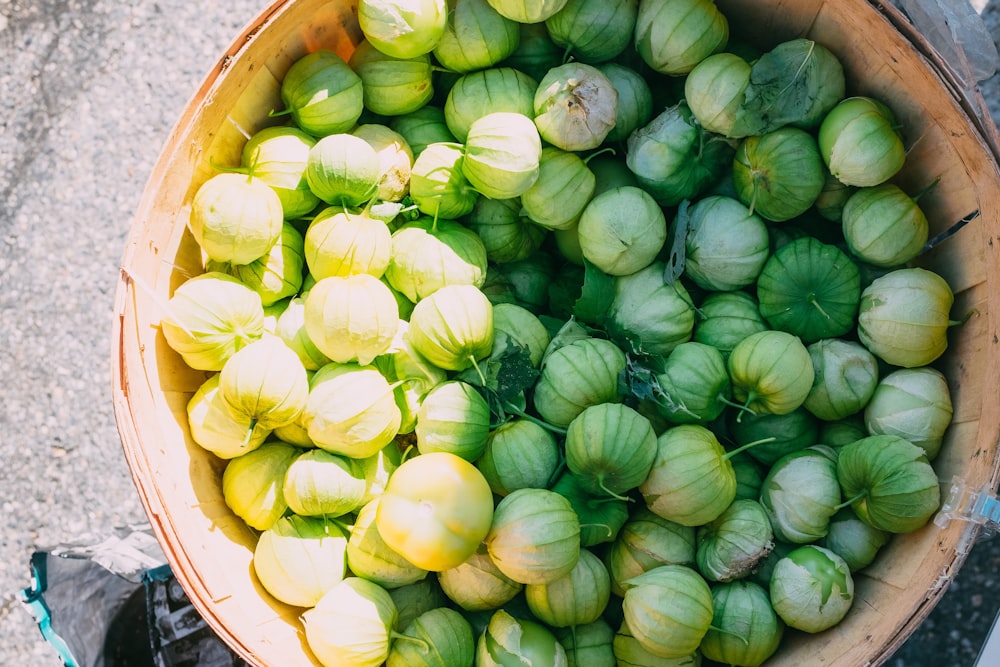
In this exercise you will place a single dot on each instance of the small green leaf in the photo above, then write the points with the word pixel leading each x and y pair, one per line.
pixel 596 297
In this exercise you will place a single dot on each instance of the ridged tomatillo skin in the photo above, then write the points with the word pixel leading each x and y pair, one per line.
pixel 438 186
pixel 519 454
pixel 675 159
pixel 278 274
pixel 235 218
pixel 715 89
pixel 564 187
pixel 392 86
pixel 726 245
pixel 516 325
pixel 590 644
pixel 779 174
pixel 266 382
pixel 453 327
pixel 772 371
pixel 351 624
pixel 781 434
pixel 859 142
pixel 214 427
pixel 527 11
pixel 403 28
pixel 811 588
pixel 622 230
pixel 502 154
pixel 427 255
pixel 635 100
pixel 846 378
pixel 477 584
pixel 322 93
pixel 319 483
pixel 508 235
pixel 509 641
pixel 901 490
pixel 343 170
pixel 343 242
pixel 647 540
pixel 800 494
pixel 251 483
pixel 291 328
pixel 211 316
pixel 904 315
pixel 476 37
pixel 913 403
pixel 810 289
pixel 657 315
pixel 370 557
pixel 673 36
pixel 733 544
pixel 395 159
pixel 883 225
pixel 668 610
pixel 748 631
pixel 576 376
pixel 352 318
pixel 726 319
pixel 422 127
pixel 351 410
pixel 535 536
pixel 593 31
pixel 443 638
pixel 278 156
pixel 299 559
pixel 491 90
pixel 453 417
pixel 610 448
pixel 691 482
pixel 435 511
pixel 601 516
pixel 695 384
pixel 577 598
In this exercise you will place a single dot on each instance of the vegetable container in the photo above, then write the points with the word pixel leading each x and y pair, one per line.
pixel 950 138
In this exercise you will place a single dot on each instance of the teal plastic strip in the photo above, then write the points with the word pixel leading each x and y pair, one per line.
pixel 34 597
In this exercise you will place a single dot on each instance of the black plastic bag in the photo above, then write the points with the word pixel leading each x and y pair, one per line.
pixel 116 604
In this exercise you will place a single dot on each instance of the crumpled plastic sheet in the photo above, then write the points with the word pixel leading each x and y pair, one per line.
pixel 115 603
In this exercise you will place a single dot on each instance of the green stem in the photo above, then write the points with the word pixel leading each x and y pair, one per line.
pixel 618 496
pixel 606 149
pixel 848 503
pixel 227 169
pixel 277 114
pixel 556 472
pixel 327 520
pixel 393 635
pixel 249 434
pixel 742 448
pixel 475 364
pixel 742 407
pixel 968 316
pixel 815 304
pixel 514 410
pixel 730 633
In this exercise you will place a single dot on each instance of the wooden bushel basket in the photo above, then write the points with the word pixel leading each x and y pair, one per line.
pixel 210 549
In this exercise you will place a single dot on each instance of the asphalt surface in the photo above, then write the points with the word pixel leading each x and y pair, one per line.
pixel 89 90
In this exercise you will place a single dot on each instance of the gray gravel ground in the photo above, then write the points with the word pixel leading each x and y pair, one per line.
pixel 89 90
